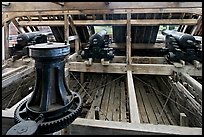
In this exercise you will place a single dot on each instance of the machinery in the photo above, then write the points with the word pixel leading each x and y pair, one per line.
pixel 98 48
pixel 182 46
pixel 23 41
pixel 52 106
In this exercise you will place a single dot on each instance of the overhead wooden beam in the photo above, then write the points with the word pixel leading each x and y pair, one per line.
pixel 41 23
pixel 134 109
pixel 59 3
pixel 8 15
pixel 139 22
pixel 31 6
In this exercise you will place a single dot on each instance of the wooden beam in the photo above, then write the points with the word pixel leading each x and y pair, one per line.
pixel 128 39
pixel 183 119
pixel 17 76
pixel 41 23
pixel 13 71
pixel 44 6
pixel 139 22
pixel 195 84
pixel 66 29
pixel 83 126
pixel 151 69
pixel 6 40
pixel 122 46
pixel 137 45
pixel 140 60
pixel 134 109
pixel 59 3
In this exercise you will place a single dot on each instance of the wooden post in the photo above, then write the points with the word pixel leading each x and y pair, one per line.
pixel 6 40
pixel 128 40
pixel 82 77
pixel 97 113
pixel 66 29
pixel 183 119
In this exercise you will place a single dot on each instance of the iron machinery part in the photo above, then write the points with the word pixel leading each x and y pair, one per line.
pixel 52 101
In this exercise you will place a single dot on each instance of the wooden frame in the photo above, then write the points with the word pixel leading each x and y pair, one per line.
pixel 125 64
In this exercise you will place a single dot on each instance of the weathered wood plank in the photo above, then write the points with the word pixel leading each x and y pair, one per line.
pixel 154 104
pixel 111 102
pixel 105 101
pixel 143 113
pixel 163 116
pixel 134 110
pixel 97 99
pixel 195 84
pixel 149 110
pixel 152 69
pixel 123 102
pixel 100 127
pixel 116 110
pixel 161 95
pixel 17 76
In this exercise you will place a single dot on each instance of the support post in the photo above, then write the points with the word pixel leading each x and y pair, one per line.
pixel 82 77
pixel 6 40
pixel 183 119
pixel 128 40
pixel 97 113
pixel 66 29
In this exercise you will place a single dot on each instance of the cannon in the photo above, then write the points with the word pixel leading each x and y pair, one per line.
pixel 181 46
pixel 98 47
pixel 23 41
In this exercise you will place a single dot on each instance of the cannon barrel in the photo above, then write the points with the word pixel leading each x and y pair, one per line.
pixel 24 38
pixel 184 40
pixel 97 39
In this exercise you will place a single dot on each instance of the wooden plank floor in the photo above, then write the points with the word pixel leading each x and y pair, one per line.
pixel 151 101
pixel 108 93
pixel 105 92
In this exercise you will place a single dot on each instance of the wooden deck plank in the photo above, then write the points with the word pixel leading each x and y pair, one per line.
pixel 123 102
pixel 159 107
pixel 143 113
pixel 154 104
pixel 111 102
pixel 105 101
pixel 150 112
pixel 116 110
pixel 97 99
pixel 162 101
pixel 92 89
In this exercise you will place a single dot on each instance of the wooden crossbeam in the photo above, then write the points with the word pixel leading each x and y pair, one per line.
pixel 151 69
pixel 42 6
pixel 141 22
